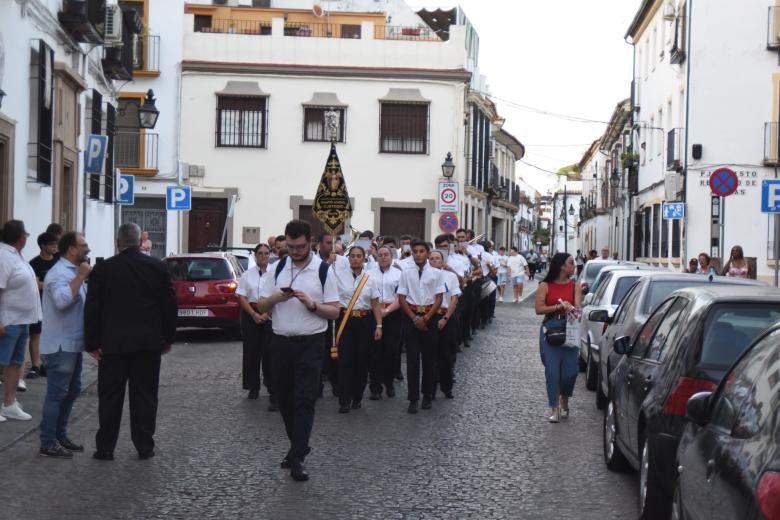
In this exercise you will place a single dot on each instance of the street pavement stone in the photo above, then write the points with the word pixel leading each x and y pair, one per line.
pixel 489 453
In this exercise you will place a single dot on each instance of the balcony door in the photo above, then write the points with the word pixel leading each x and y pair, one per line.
pixel 128 148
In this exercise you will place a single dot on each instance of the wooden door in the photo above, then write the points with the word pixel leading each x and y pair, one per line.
pixel 400 221
pixel 207 219
pixel 306 213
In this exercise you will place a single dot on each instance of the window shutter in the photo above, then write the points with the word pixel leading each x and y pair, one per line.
pixel 108 191
pixel 96 121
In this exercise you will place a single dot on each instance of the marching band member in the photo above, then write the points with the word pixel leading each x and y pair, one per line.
pixel 420 295
pixel 447 325
pixel 387 351
pixel 361 325
pixel 472 288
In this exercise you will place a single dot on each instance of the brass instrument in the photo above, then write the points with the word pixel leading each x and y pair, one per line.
pixel 476 238
pixel 354 234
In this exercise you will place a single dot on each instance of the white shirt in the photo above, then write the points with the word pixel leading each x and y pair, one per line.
pixel 251 282
pixel 20 301
pixel 475 249
pixel 503 261
pixel 406 263
pixel 348 283
pixel 460 263
pixel 421 288
pixel 451 288
pixel 517 265
pixel 292 318
pixel 387 283
pixel 486 262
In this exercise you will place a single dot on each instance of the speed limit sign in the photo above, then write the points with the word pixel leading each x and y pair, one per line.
pixel 449 197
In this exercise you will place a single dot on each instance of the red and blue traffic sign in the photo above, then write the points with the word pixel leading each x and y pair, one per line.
pixel 448 222
pixel 724 182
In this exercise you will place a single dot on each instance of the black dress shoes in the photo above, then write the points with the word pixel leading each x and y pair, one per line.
pixel 390 391
pixel 70 445
pixel 399 376
pixel 375 396
pixel 412 407
pixel 286 464
pixel 298 471
pixel 146 455
pixel 103 455
pixel 448 394
pixel 273 405
pixel 344 408
pixel 356 405
pixel 253 394
pixel 426 404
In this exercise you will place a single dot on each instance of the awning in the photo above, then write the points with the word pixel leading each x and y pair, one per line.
pixel 324 99
pixel 242 89
pixel 404 95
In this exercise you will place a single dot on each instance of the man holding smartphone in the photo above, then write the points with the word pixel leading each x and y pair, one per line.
pixel 302 299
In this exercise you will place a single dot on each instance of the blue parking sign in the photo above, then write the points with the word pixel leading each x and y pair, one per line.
pixel 125 190
pixel 95 154
pixel 770 196
pixel 178 198
pixel 674 210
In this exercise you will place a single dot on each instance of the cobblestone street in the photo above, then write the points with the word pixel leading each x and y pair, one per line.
pixel 489 453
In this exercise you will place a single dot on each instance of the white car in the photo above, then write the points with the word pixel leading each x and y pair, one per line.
pixel 598 308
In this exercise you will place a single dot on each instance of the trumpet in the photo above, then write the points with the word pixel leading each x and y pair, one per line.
pixel 477 238
pixel 354 234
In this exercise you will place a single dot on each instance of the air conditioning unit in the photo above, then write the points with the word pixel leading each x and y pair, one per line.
pixel 113 32
pixel 672 186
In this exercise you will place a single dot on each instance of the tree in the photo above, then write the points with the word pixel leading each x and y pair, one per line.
pixel 543 236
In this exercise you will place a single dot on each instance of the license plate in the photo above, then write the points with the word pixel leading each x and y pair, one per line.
pixel 189 313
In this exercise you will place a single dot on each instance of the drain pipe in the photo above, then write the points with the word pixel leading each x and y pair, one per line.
pixel 684 252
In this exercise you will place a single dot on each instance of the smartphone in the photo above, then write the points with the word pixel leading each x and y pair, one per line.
pixel 287 290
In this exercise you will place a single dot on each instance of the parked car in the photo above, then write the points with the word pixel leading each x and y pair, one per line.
pixel 729 455
pixel 244 255
pixel 685 347
pixel 633 311
pixel 590 272
pixel 615 266
pixel 206 286
pixel 598 310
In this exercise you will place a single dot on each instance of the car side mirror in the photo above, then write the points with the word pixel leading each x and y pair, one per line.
pixel 623 345
pixel 697 410
pixel 585 290
pixel 599 316
pixel 587 299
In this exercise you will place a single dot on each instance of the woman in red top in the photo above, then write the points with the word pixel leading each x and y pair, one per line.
pixel 557 296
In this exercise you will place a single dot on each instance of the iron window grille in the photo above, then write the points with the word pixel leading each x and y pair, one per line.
pixel 404 128
pixel 242 122
pixel 42 62
pixel 314 129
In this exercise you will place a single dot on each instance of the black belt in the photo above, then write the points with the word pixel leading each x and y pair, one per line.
pixel 301 339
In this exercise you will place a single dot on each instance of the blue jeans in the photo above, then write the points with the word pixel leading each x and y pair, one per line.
pixel 560 369
pixel 63 386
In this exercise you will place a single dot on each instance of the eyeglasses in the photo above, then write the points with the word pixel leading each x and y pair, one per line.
pixel 302 247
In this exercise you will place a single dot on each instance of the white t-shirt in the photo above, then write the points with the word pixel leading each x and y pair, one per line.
pixel 20 301
pixel 517 265
pixel 502 263
pixel 292 318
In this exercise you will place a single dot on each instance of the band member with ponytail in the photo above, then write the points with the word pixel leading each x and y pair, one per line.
pixel 447 325
pixel 363 326
pixel 388 349
pixel 420 294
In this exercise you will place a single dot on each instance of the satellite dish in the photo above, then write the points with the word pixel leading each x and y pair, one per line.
pixel 317 10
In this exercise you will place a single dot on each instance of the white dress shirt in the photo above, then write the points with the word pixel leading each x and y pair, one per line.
pixel 292 318
pixel 460 263
pixel 251 282
pixel 406 263
pixel 20 301
pixel 348 283
pixel 387 282
pixel 421 286
pixel 451 288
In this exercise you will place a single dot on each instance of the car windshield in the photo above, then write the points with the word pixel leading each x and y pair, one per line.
pixel 660 290
pixel 592 270
pixel 622 287
pixel 731 327
pixel 194 269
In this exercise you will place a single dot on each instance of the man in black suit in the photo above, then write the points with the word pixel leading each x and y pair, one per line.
pixel 130 321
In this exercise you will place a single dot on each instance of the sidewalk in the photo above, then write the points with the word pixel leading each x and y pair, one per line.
pixel 529 290
pixel 12 431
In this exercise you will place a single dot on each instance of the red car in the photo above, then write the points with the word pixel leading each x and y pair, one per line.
pixel 206 286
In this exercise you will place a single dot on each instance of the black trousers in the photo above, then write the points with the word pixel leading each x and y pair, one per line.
pixel 355 348
pixel 420 345
pixel 466 304
pixel 447 354
pixel 476 297
pixel 296 367
pixel 493 296
pixel 141 372
pixel 385 353
pixel 257 353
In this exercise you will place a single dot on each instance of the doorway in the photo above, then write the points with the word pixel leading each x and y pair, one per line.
pixel 206 222
pixel 150 215
pixel 400 221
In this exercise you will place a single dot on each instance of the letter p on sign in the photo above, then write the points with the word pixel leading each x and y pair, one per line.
pixel 770 196
pixel 178 198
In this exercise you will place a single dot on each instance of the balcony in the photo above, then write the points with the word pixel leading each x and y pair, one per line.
pixel 772 144
pixel 206 24
pixel 392 32
pixel 674 149
pixel 773 29
pixel 84 20
pixel 323 30
pixel 136 152
pixel 146 55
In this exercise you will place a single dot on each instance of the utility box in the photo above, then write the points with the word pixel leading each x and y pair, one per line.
pixel 250 235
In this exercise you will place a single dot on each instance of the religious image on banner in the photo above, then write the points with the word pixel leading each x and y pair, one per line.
pixel 331 204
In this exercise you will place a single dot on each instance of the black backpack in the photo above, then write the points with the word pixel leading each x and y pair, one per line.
pixel 324 266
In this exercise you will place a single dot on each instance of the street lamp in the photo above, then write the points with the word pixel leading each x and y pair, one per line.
pixel 614 180
pixel 448 167
pixel 571 210
pixel 147 112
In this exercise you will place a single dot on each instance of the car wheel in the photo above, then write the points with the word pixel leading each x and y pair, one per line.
pixel 613 457
pixel 677 508
pixel 601 398
pixel 652 503
pixel 591 372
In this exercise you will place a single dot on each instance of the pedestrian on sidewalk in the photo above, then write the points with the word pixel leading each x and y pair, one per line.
pixel 41 264
pixel 579 260
pixel 557 296
pixel 738 266
pixel 256 329
pixel 303 297
pixel 62 343
pixel 502 272
pixel 518 270
pixel 130 321
pixel 20 305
